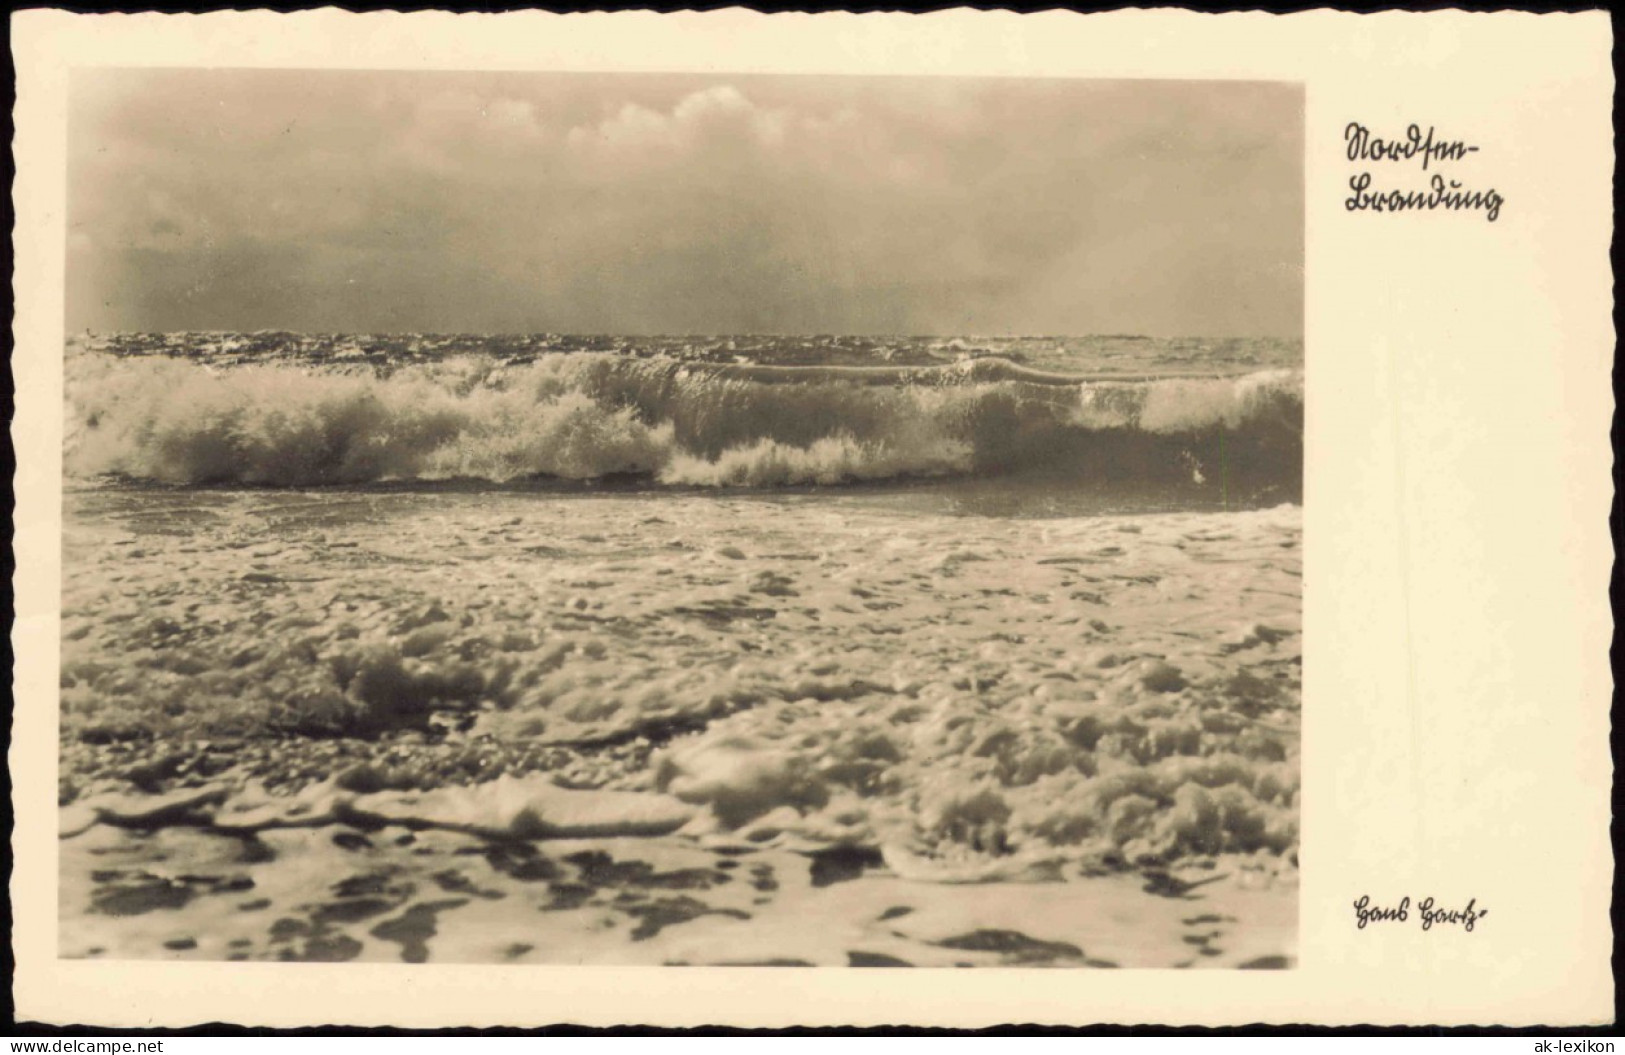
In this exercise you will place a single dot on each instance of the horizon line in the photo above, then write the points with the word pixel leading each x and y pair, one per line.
pixel 88 331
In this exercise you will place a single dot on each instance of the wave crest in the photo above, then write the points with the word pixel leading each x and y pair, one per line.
pixel 581 416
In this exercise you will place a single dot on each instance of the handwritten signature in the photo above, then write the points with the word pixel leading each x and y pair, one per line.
pixel 1426 911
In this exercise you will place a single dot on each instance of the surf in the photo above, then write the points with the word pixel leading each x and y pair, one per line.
pixel 585 416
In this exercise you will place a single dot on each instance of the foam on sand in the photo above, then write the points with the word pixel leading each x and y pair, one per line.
pixel 887 706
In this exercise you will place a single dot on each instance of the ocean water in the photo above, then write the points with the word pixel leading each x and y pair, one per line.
pixel 1203 423
pixel 894 615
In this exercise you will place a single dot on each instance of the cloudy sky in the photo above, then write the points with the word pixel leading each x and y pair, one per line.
pixel 638 204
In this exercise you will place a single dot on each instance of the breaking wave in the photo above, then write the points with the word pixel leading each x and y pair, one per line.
pixel 584 416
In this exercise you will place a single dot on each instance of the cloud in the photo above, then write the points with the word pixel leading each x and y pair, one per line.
pixel 240 199
pixel 459 130
pixel 721 110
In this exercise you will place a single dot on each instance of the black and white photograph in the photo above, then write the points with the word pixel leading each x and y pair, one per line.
pixel 681 519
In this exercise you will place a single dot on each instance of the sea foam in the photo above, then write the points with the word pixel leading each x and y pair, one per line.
pixel 588 415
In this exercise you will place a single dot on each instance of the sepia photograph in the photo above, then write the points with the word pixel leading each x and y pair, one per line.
pixel 604 521
pixel 682 520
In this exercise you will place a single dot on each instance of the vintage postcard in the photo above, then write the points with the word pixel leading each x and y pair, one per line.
pixel 629 519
